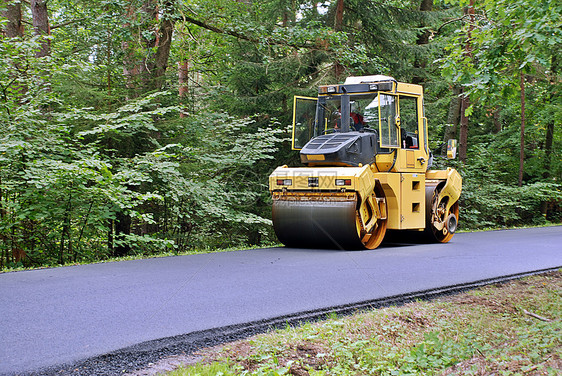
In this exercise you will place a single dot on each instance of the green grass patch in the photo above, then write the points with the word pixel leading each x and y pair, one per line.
pixel 507 329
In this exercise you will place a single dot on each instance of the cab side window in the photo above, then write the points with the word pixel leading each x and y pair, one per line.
pixel 409 122
pixel 388 127
pixel 303 121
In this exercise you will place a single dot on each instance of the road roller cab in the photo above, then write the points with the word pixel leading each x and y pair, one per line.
pixel 364 145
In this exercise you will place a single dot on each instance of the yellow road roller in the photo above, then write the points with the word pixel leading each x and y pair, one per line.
pixel 366 169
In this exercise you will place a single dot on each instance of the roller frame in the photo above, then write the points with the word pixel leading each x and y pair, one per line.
pixel 436 191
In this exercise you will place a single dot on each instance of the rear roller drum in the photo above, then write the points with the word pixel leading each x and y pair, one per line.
pixel 441 223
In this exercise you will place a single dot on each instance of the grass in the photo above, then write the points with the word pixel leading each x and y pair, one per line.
pixel 508 329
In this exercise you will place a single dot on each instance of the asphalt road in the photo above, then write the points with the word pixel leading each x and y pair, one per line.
pixel 59 316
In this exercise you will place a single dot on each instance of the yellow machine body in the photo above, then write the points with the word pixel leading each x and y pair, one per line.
pixel 368 174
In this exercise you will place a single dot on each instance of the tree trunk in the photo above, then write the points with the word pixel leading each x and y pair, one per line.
pixel 463 136
pixel 423 39
pixel 338 26
pixel 497 120
pixel 129 66
pixel 183 81
pixel 164 42
pixel 137 68
pixel 108 61
pixel 142 71
pixel 122 229
pixel 14 29
pixel 426 6
pixel 453 117
pixel 338 22
pixel 14 26
pixel 549 138
pixel 547 159
pixel 110 245
pixel 465 101
pixel 522 146
pixel 41 25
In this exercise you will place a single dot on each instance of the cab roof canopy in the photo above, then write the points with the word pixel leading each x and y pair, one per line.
pixel 367 79
pixel 401 87
pixel 362 84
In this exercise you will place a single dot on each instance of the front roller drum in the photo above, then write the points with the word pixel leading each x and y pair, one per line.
pixel 323 222
pixel 441 223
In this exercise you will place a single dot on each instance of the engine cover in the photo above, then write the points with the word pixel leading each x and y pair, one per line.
pixel 341 149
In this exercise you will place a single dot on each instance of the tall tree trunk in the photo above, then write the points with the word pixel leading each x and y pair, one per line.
pixel 183 81
pixel 41 25
pixel 137 68
pixel 129 66
pixel 285 17
pixel 14 26
pixel 338 26
pixel 108 58
pixel 338 21
pixel 164 42
pixel 522 146
pixel 423 39
pixel 122 229
pixel 14 29
pixel 463 134
pixel 497 120
pixel 146 71
pixel 453 118
pixel 110 245
pixel 465 101
pixel 549 138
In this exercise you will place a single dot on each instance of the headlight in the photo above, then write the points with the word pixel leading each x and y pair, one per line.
pixel 341 182
pixel 284 182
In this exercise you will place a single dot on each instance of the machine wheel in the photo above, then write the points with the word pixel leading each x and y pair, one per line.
pixel 441 223
pixel 373 238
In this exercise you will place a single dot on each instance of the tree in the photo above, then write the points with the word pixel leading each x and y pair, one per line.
pixel 12 13
pixel 505 53
pixel 465 100
pixel 422 40
pixel 338 26
pixel 41 26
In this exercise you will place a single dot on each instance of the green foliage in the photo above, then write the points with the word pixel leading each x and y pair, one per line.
pixel 96 163
pixel 205 370
pixel 200 179
pixel 491 197
pixel 368 357
pixel 508 38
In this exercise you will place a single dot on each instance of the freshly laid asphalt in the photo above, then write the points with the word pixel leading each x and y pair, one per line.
pixel 62 316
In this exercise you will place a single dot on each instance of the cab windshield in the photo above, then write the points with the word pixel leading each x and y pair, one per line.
pixel 373 111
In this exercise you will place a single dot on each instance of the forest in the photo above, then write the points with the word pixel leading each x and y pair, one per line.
pixel 148 126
